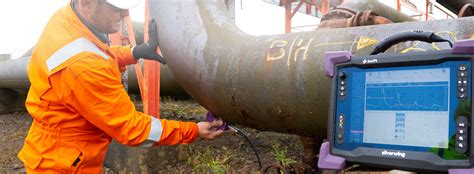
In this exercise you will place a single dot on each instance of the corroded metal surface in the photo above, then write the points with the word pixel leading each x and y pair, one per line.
pixel 338 13
pixel 360 13
pixel 358 19
pixel 376 7
pixel 275 82
pixel 454 5
pixel 466 10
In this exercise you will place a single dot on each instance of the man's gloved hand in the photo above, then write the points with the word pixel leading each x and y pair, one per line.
pixel 147 50
pixel 207 130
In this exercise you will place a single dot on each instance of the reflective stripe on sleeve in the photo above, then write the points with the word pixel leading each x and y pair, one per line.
pixel 75 47
pixel 155 133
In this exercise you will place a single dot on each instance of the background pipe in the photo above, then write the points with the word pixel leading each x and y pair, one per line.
pixel 13 73
pixel 351 7
pixel 359 19
pixel 168 85
pixel 466 10
pixel 456 5
pixel 274 82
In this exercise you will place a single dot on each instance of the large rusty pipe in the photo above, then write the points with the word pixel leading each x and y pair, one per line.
pixel 377 7
pixel 456 5
pixel 359 19
pixel 274 82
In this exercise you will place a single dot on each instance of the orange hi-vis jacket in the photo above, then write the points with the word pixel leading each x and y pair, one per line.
pixel 78 103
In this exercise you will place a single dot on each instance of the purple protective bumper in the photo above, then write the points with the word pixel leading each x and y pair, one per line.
pixel 463 47
pixel 328 161
pixel 461 171
pixel 331 58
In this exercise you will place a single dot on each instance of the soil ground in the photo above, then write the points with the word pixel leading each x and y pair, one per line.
pixel 228 153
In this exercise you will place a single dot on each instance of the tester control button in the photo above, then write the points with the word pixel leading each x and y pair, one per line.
pixel 461 138
pixel 462 73
pixel 461 131
pixel 461 143
pixel 340 122
pixel 462 89
pixel 341 89
pixel 463 81
pixel 340 119
pixel 462 95
pixel 461 122
pixel 342 75
pixel 462 67
pixel 461 147
pixel 340 138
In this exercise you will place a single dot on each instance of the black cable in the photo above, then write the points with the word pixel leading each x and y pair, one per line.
pixel 238 131
pixel 210 117
pixel 425 36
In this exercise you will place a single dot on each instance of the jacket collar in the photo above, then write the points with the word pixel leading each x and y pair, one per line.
pixel 101 36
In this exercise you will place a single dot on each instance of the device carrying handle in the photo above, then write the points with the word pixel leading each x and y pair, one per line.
pixel 425 36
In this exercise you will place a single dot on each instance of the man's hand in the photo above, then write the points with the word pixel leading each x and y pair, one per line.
pixel 207 130
pixel 147 50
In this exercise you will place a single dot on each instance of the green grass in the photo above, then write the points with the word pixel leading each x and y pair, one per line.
pixel 209 162
pixel 280 154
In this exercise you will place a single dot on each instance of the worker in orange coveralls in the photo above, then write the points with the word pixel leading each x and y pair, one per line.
pixel 76 98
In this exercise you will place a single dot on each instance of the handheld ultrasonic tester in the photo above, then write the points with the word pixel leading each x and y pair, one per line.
pixel 406 111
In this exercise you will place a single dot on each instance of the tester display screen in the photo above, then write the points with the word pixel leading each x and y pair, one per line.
pixel 406 108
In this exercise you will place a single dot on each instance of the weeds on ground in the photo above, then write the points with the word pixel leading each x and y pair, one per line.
pixel 209 162
pixel 280 154
pixel 180 109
